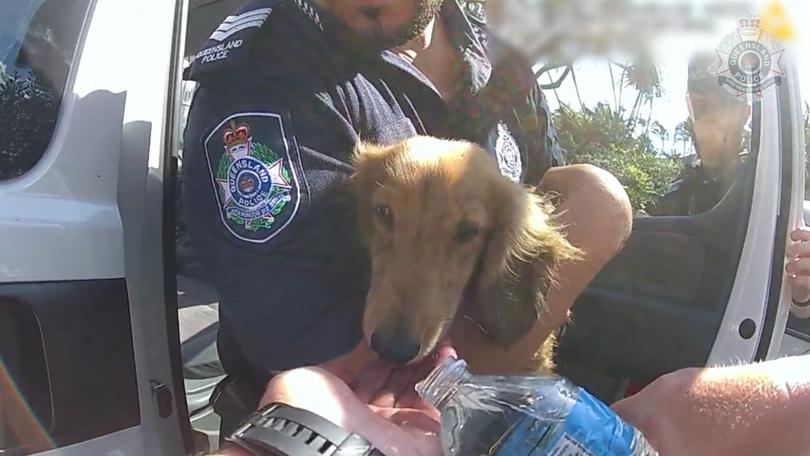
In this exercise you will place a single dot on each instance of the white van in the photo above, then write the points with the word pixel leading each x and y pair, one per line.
pixel 90 335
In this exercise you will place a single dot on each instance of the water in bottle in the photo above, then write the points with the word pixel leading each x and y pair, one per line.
pixel 524 416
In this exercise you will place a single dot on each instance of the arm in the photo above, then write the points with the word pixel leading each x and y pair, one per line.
pixel 379 404
pixel 742 410
pixel 277 242
pixel 596 215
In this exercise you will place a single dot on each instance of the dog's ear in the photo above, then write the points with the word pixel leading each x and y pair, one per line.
pixel 517 266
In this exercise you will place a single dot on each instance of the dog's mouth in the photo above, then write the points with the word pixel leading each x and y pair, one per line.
pixel 442 341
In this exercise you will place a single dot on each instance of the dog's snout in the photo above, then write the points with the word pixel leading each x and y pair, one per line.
pixel 395 348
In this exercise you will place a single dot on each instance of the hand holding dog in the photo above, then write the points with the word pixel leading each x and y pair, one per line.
pixel 380 403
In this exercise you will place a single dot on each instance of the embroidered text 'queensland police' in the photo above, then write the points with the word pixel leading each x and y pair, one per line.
pixel 218 52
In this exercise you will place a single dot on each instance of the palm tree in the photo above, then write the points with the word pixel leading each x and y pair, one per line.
pixel 683 134
pixel 661 132
pixel 576 87
pixel 643 77
pixel 613 86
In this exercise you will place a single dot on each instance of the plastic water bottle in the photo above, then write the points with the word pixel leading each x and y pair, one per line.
pixel 524 415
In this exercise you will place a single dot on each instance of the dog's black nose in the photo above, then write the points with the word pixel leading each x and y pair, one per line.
pixel 396 348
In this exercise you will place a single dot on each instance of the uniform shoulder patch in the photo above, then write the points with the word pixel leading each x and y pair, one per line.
pixel 256 174
pixel 229 45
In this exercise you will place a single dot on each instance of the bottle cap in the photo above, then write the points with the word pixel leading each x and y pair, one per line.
pixel 441 385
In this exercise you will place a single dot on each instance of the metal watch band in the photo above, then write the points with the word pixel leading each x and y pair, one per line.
pixel 280 429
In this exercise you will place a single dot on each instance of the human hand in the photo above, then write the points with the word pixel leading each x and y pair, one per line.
pixel 798 267
pixel 380 403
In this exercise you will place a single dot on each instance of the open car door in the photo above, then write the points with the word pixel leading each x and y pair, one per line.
pixel 703 289
pixel 89 356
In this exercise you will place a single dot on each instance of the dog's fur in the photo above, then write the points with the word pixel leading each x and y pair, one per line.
pixel 449 237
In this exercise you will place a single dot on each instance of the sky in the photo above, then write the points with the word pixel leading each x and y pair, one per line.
pixel 673 51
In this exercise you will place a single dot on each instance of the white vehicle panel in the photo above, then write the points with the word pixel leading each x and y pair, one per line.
pixel 47 236
pixel 753 279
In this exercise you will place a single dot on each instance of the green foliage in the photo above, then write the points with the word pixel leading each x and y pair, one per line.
pixel 259 224
pixel 807 129
pixel 263 153
pixel 222 168
pixel 603 137
pixel 28 109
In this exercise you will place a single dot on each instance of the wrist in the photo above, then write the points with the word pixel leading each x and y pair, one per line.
pixel 269 431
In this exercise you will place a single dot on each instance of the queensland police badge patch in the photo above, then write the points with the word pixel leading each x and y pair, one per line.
pixel 255 176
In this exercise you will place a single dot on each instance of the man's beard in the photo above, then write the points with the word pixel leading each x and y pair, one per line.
pixel 380 39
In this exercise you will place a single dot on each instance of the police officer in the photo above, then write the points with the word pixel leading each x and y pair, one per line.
pixel 718 122
pixel 286 89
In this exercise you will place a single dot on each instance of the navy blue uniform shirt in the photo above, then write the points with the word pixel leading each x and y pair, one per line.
pixel 270 133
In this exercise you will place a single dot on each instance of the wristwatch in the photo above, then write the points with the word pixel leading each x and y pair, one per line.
pixel 283 430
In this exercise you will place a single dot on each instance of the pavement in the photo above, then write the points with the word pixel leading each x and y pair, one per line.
pixel 198 306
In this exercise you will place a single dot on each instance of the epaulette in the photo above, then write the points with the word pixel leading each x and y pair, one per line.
pixel 228 46
pixel 479 28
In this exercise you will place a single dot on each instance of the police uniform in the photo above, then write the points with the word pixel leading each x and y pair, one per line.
pixel 277 113
pixel 697 189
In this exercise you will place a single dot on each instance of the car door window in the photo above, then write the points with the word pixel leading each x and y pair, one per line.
pixel 690 149
pixel 38 41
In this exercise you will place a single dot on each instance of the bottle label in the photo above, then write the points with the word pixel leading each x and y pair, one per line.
pixel 589 429
pixel 567 446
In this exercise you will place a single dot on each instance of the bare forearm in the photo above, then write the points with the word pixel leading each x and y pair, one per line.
pixel 743 410
pixel 766 403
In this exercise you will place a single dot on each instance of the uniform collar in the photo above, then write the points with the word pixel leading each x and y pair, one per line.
pixel 469 38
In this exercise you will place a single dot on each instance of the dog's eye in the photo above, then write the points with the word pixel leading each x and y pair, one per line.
pixel 466 231
pixel 385 215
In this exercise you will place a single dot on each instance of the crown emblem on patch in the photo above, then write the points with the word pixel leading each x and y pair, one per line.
pixel 235 134
pixel 750 60
pixel 749 27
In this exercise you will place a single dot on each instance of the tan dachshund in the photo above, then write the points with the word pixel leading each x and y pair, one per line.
pixel 449 236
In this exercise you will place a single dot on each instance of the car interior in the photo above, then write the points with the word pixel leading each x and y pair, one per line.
pixel 667 288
